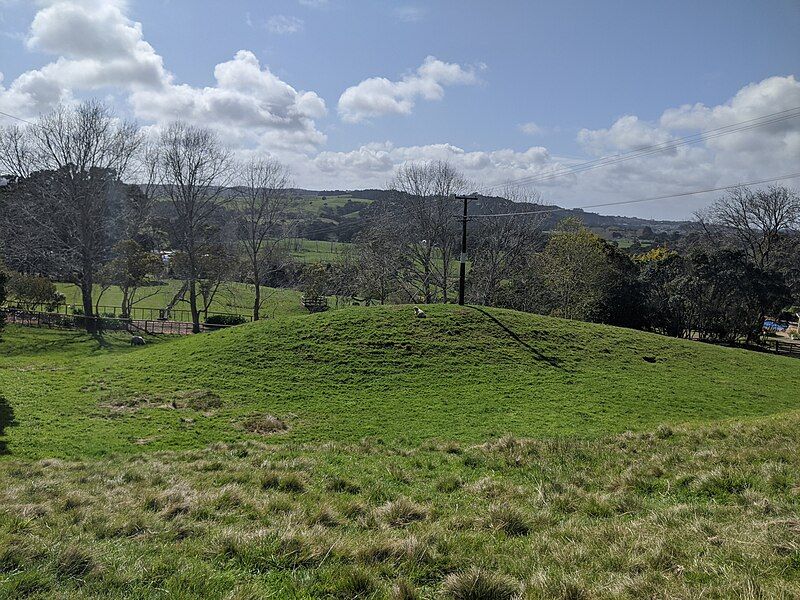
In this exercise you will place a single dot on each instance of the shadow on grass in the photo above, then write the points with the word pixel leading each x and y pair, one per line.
pixel 538 355
pixel 6 420
pixel 100 339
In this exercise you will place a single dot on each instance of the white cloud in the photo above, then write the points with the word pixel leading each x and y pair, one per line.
pixel 627 133
pixel 98 46
pixel 378 96
pixel 748 155
pixel 757 153
pixel 530 128
pixel 410 13
pixel 373 164
pixel 281 24
pixel 248 104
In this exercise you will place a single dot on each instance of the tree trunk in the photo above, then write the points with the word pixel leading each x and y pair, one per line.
pixel 126 309
pixel 88 306
pixel 193 306
pixel 257 301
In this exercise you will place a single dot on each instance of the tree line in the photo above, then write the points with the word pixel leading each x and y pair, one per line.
pixel 95 200
pixel 740 263
pixel 70 214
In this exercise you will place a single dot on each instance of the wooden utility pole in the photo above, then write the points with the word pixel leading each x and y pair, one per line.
pixel 462 274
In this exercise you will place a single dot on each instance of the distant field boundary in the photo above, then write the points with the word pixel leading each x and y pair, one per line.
pixel 787 348
pixel 179 315
pixel 54 320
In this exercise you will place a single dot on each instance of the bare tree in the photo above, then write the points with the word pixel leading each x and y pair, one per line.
pixel 502 244
pixel 427 224
pixel 263 205
pixel 377 256
pixel 755 221
pixel 17 151
pixel 194 169
pixel 73 203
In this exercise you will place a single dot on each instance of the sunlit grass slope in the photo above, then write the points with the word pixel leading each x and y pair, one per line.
pixel 461 374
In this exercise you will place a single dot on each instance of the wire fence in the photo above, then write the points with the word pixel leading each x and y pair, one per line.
pixel 56 320
pixel 136 313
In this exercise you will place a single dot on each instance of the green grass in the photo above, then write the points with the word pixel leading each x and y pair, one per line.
pixel 364 453
pixel 380 373
pixel 234 298
pixel 310 251
pixel 315 204
pixel 689 512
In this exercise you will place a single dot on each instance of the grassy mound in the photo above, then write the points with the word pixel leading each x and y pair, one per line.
pixel 462 374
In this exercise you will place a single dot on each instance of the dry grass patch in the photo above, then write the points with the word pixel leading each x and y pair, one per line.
pixel 479 584
pixel 266 425
pixel 401 512
pixel 693 514
pixel 198 400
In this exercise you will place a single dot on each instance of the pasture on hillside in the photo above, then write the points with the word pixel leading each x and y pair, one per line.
pixel 232 297
pixel 364 453
pixel 463 374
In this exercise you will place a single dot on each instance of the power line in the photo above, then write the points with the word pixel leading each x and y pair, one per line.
pixel 746 125
pixel 655 148
pixel 653 198
pixel 5 114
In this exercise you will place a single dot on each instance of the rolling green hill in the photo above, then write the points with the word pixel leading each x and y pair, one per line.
pixel 462 374
pixel 365 453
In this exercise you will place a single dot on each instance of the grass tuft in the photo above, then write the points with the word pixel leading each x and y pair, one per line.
pixel 403 589
pixel 74 563
pixel 402 512
pixel 508 519
pixel 351 583
pixel 479 584
pixel 265 425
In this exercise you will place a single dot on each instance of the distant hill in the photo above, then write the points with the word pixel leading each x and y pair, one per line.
pixel 341 214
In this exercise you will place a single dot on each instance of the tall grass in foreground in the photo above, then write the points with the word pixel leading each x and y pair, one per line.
pixel 683 513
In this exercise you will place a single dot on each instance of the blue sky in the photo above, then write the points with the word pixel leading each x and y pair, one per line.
pixel 589 79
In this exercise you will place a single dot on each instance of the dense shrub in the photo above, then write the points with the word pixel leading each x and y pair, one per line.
pixel 34 292
pixel 225 320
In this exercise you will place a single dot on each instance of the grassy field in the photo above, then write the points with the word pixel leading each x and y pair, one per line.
pixel 379 372
pixel 314 204
pixel 310 251
pixel 232 298
pixel 368 454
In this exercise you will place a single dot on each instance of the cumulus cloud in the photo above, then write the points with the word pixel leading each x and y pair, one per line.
pixel 627 133
pixel 751 154
pixel 378 96
pixel 757 153
pixel 409 13
pixel 248 103
pixel 281 24
pixel 98 46
pixel 530 128
pixel 373 164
